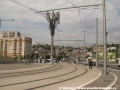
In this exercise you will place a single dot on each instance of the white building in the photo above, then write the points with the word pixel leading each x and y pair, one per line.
pixel 12 44
pixel 111 48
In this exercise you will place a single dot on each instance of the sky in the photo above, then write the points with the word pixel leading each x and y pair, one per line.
pixel 72 23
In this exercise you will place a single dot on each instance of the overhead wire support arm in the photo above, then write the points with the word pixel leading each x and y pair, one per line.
pixel 69 8
pixel 68 40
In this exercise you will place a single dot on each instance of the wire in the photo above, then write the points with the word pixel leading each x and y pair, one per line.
pixel 79 14
pixel 25 6
pixel 60 4
pixel 81 2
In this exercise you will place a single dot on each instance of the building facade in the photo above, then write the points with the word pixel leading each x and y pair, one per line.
pixel 12 44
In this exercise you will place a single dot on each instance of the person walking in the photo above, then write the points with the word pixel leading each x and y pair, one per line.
pixel 90 63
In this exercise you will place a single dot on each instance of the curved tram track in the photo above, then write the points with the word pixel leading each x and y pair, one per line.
pixel 4 75
pixel 56 82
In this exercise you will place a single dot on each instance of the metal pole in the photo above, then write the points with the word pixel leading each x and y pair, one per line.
pixel 78 55
pixel 96 42
pixel 119 50
pixel 84 47
pixel 52 39
pixel 105 39
pixel 19 50
pixel 0 23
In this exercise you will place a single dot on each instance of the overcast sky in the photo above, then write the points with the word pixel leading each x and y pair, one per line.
pixel 71 23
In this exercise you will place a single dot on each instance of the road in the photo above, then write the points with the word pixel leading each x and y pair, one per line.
pixel 113 66
pixel 116 70
pixel 54 77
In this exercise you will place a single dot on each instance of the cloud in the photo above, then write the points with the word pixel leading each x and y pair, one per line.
pixel 29 22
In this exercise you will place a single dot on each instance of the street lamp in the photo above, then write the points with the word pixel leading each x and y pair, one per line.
pixel 5 20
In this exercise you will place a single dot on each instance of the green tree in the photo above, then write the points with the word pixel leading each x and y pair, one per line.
pixel 113 50
pixel 110 50
pixel 16 58
pixel 88 56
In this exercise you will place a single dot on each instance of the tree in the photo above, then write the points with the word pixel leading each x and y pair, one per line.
pixel 110 50
pixel 88 56
pixel 113 45
pixel 113 50
pixel 111 57
pixel 16 58
pixel 22 57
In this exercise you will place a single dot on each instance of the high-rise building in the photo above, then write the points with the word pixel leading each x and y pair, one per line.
pixel 12 44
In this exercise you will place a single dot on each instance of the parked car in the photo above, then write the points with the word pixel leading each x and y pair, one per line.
pixel 93 63
pixel 119 63
pixel 80 62
pixel 101 64
pixel 49 60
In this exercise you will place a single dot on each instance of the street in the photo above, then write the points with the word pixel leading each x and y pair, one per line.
pixel 116 70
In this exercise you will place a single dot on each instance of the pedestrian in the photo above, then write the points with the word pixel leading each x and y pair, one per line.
pixel 90 63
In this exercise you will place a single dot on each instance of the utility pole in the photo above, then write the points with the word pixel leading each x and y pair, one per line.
pixel 84 46
pixel 119 50
pixel 19 50
pixel 53 21
pixel 104 39
pixel 96 42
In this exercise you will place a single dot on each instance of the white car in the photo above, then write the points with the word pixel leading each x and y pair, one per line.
pixel 119 63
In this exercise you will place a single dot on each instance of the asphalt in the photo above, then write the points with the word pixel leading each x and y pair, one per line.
pixel 102 81
pixel 93 78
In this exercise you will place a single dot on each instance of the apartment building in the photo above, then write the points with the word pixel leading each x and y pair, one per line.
pixel 12 44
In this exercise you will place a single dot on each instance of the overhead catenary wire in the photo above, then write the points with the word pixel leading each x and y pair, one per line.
pixel 78 10
pixel 60 4
pixel 79 13
pixel 68 40
pixel 25 6
pixel 45 11
pixel 37 11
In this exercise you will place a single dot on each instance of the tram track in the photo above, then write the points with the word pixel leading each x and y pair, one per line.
pixel 30 72
pixel 60 80
pixel 33 81
pixel 25 70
